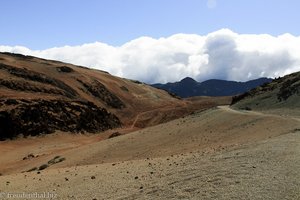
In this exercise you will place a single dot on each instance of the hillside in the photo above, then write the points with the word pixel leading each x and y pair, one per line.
pixel 203 154
pixel 281 93
pixel 39 96
pixel 188 87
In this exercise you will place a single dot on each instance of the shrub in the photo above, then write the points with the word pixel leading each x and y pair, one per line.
pixel 55 160
pixel 61 159
pixel 44 166
pixel 124 88
pixel 64 69
pixel 32 169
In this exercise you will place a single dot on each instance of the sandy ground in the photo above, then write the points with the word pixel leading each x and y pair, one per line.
pixel 216 154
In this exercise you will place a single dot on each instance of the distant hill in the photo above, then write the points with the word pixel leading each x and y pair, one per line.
pixel 188 87
pixel 280 93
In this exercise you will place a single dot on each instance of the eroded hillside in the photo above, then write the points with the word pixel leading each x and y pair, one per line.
pixel 41 96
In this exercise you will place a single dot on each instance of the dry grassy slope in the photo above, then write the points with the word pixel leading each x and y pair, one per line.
pixel 281 94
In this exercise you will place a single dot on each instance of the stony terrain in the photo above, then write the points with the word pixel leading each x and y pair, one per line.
pixel 197 157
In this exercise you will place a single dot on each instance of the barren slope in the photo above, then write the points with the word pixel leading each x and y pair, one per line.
pixel 206 132
pixel 217 154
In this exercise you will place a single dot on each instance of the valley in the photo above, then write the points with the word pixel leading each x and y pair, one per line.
pixel 85 134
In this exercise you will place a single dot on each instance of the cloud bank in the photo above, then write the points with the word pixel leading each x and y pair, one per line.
pixel 223 54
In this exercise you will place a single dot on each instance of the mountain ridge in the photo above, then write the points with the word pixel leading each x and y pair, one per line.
pixel 189 87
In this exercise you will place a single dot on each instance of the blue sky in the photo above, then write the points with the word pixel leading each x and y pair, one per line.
pixel 41 24
pixel 159 40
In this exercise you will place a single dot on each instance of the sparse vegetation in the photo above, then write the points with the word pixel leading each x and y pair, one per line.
pixel 37 77
pixel 56 159
pixel 98 90
pixel 61 159
pixel 124 88
pixel 44 166
pixel 135 81
pixel 247 108
pixel 296 130
pixel 11 102
pixel 44 117
pixel 32 169
pixel 64 69
pixel 21 85
pixel 174 95
pixel 280 93
pixel 115 134
pixel 288 88
pixel 29 156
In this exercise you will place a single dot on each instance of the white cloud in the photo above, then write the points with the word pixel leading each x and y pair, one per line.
pixel 222 54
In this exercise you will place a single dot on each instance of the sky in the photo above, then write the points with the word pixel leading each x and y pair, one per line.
pixel 159 40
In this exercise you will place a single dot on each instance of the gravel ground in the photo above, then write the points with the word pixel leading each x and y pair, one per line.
pixel 269 169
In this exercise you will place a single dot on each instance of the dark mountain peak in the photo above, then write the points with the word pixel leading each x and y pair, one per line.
pixel 188 80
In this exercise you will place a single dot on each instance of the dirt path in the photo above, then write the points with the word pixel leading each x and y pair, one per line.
pixel 247 112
